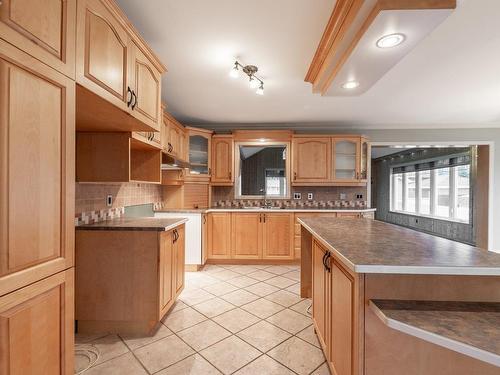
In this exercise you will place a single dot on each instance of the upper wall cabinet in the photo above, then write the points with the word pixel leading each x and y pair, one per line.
pixel 311 159
pixel 145 84
pixel 325 160
pixel 37 159
pixel 222 160
pixel 199 154
pixel 119 77
pixel 43 29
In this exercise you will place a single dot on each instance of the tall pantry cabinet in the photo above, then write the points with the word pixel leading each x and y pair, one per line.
pixel 37 158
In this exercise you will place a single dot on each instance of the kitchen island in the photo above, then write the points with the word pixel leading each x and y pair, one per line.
pixel 390 300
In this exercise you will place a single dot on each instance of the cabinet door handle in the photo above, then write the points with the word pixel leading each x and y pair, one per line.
pixel 260 218
pixel 129 101
pixel 230 174
pixel 135 99
pixel 294 176
pixel 204 219
pixel 326 264
pixel 264 218
pixel 323 261
pixel 209 171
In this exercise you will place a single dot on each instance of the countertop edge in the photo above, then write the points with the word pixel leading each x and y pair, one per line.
pixel 457 346
pixel 180 221
pixel 406 270
pixel 305 210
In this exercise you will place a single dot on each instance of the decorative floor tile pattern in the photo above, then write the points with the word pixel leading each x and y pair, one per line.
pixel 249 320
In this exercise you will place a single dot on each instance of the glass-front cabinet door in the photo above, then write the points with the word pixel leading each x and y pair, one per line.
pixel 346 159
pixel 199 154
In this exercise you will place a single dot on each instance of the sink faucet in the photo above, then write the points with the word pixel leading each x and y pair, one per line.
pixel 267 202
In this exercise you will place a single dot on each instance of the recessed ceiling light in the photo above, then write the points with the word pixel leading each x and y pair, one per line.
pixel 350 85
pixel 391 40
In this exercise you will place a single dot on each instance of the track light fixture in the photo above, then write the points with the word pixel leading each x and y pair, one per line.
pixel 253 81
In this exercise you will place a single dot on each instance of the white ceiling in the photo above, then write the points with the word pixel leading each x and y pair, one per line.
pixel 452 77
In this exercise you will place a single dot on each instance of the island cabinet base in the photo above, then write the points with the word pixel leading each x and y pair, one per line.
pixel 391 352
pixel 127 280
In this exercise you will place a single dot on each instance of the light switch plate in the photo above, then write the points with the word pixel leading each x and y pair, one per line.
pixel 297 196
pixel 310 196
pixel 109 201
pixel 342 196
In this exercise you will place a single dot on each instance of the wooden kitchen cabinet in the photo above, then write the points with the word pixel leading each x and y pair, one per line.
pixel 311 160
pixel 278 236
pixel 200 148
pixel 138 273
pixel 118 75
pixel 36 169
pixel 334 301
pixel 174 137
pixel 351 159
pixel 320 295
pixel 145 83
pixel 36 327
pixel 204 238
pixel 222 160
pixel 247 234
pixel 178 250
pixel 219 235
pixel 42 29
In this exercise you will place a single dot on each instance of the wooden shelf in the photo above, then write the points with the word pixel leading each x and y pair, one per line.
pixel 116 157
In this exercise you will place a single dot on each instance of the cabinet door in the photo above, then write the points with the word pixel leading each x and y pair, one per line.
pixel 246 231
pixel 37 162
pixel 319 294
pixel 346 159
pixel 311 158
pixel 199 155
pixel 222 160
pixel 219 239
pixel 165 134
pixel 175 139
pixel 364 159
pixel 166 271
pixel 179 259
pixel 145 82
pixel 278 236
pixel 101 56
pixel 342 324
pixel 204 238
pixel 43 29
pixel 36 327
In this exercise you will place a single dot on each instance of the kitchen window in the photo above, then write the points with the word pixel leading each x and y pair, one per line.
pixel 438 188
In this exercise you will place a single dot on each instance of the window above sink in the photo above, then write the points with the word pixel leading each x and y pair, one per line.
pixel 263 170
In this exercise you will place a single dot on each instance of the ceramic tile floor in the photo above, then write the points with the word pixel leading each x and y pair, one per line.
pixel 230 319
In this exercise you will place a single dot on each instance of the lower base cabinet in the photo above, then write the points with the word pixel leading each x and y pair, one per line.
pixel 126 281
pixel 250 236
pixel 36 327
pixel 333 306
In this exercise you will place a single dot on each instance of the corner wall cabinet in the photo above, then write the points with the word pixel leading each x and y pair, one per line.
pixel 174 139
pixel 118 75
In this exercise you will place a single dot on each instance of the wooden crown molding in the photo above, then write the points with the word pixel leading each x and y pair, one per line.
pixel 345 12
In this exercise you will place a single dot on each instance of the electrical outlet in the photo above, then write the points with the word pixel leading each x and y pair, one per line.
pixel 343 196
pixel 297 196
pixel 109 200
pixel 359 196
pixel 310 196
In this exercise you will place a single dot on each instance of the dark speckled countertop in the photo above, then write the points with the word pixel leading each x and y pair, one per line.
pixel 371 246
pixel 134 223
pixel 471 328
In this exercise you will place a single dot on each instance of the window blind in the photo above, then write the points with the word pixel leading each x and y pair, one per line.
pixel 447 162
